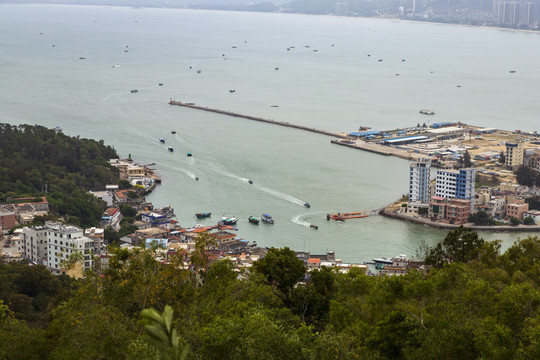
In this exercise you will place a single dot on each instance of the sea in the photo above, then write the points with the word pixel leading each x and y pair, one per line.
pixel 75 66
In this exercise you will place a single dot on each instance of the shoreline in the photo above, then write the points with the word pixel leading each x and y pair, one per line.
pixel 166 6
pixel 439 225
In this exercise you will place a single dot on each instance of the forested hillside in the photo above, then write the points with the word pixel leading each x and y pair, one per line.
pixel 486 308
pixel 33 156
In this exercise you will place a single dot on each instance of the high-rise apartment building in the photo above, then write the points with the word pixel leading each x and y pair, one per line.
pixel 419 177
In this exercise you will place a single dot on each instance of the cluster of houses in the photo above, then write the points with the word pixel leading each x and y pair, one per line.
pixel 451 198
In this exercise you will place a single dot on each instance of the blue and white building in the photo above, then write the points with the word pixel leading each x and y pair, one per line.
pixel 458 184
pixel 419 178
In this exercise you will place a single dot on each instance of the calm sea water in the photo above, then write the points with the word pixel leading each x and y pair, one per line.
pixel 338 87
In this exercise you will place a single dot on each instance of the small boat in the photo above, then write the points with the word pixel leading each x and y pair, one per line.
pixel 170 148
pixel 512 71
pixel 189 154
pixel 402 59
pixel 382 261
pixel 134 91
pixel 197 178
pixel 162 140
pixel 307 205
pixel 173 132
pixel 231 91
pixel 314 226
pixel 288 49
pixel 199 71
pixel 229 221
pixel 315 50
pixel 203 214
pixel 426 112
pixel 380 60
pixel 368 55
pixel 82 58
pixel 234 47
pixel 160 84
pixel 274 105
pixel 253 220
pixel 125 51
pixel 276 68
pixel 307 46
pixel 250 182
pixel 267 218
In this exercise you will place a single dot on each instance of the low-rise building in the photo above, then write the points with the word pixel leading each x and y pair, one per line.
pixel 516 209
pixel 111 217
pixel 437 208
pixel 160 217
pixel 7 219
pixel 458 211
pixel 534 214
pixel 98 236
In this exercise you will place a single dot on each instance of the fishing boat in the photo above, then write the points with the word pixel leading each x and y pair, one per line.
pixel 170 148
pixel 344 216
pixel 267 218
pixel 203 214
pixel 229 221
pixel 253 220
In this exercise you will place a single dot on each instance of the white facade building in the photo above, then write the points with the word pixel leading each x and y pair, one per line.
pixel 419 177
pixel 34 244
pixel 65 240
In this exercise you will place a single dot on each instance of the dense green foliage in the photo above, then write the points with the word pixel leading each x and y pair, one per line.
pixel 32 156
pixel 527 176
pixel 477 304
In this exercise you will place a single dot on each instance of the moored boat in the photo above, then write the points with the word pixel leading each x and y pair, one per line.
pixel 267 218
pixel 229 221
pixel 382 260
pixel 203 214
pixel 253 220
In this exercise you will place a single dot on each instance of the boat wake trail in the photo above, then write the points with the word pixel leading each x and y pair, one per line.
pixel 274 193
pixel 184 171
pixel 296 219
pixel 280 195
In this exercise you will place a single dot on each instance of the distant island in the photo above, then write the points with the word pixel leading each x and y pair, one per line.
pixel 500 14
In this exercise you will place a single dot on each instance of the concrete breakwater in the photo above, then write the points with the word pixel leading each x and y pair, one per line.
pixel 438 225
pixel 269 121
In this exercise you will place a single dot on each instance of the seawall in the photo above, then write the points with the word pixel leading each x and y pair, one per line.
pixel 249 117
pixel 438 225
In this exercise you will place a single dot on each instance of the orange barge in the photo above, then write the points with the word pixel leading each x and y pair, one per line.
pixel 344 216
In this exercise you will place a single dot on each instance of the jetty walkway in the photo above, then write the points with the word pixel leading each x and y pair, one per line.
pixel 269 121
